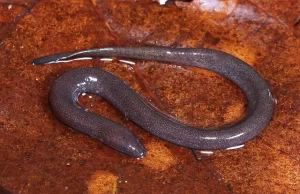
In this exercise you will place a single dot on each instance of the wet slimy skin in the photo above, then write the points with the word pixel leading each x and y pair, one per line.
pixel 67 88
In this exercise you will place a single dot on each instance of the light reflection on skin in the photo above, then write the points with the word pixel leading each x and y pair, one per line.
pixel 184 53
pixel 87 51
pixel 238 135
pixel 66 61
pixel 88 79
pixel 106 59
pixel 128 62
pixel 210 138
pixel 235 147
pixel 207 152
pixel 81 84
pixel 91 79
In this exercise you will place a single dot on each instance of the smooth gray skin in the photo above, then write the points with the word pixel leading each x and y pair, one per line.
pixel 66 89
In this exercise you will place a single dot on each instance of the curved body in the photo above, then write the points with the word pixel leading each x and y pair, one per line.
pixel 69 86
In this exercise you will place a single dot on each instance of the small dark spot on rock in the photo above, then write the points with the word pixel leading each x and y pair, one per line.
pixel 100 147
pixel 26 123
pixel 197 180
pixel 59 18
pixel 52 145
pixel 229 187
pixel 73 133
pixel 82 162
pixel 208 37
pixel 151 70
pixel 121 189
pixel 4 191
pixel 27 154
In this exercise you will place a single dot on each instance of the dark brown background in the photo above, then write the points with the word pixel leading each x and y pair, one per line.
pixel 38 154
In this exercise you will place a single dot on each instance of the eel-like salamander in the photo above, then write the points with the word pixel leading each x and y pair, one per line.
pixel 66 89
